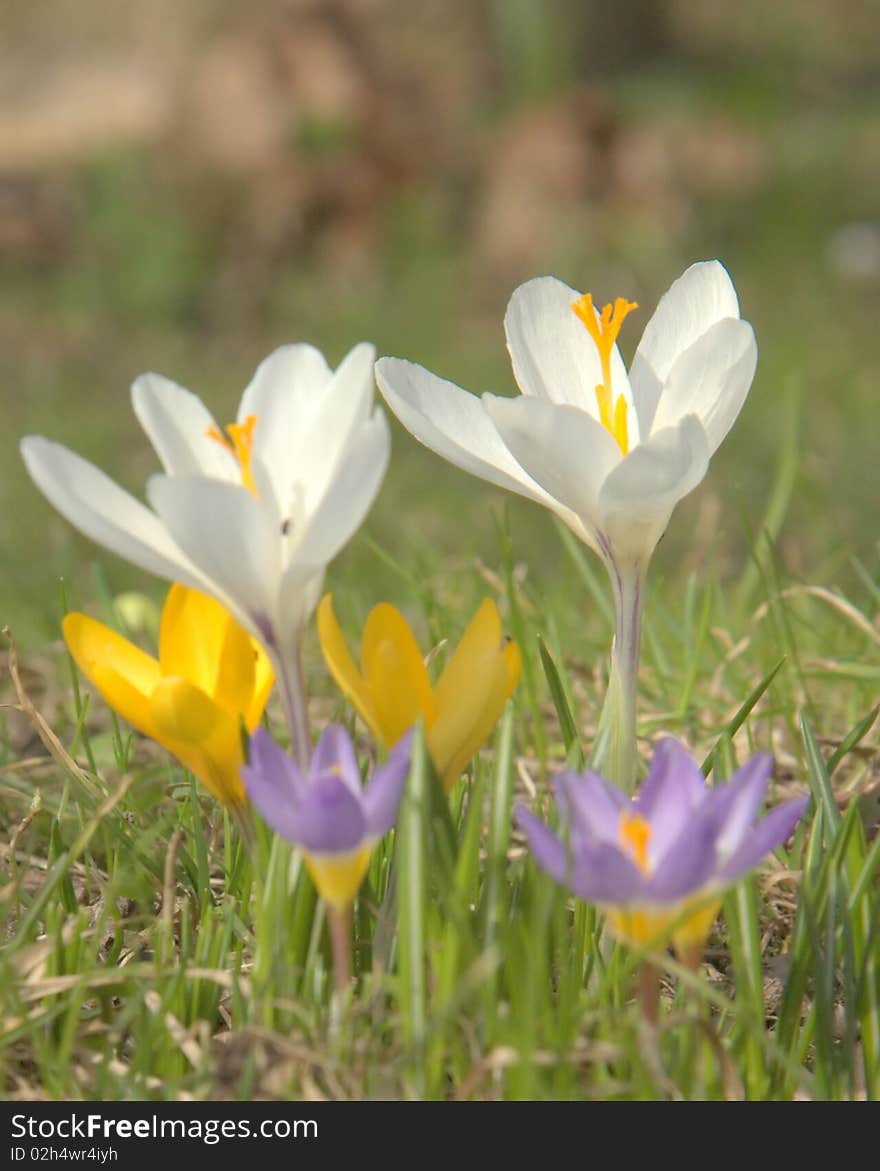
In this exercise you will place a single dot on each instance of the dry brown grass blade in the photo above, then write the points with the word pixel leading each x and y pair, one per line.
pixel 37 988
pixel 835 601
pixel 167 916
pixel 26 706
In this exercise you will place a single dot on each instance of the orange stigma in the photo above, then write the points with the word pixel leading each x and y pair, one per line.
pixel 635 834
pixel 604 330
pixel 239 444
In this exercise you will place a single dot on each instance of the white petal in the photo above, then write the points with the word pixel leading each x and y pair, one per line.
pixel 563 448
pixel 98 507
pixel 230 537
pixel 300 593
pixel 453 423
pixel 339 515
pixel 701 296
pixel 349 496
pixel 290 370
pixel 344 407
pixel 711 380
pixel 552 353
pixel 637 499
pixel 177 424
pixel 283 395
pixel 266 492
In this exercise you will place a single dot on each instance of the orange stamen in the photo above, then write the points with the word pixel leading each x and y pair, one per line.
pixel 635 834
pixel 239 445
pixel 604 330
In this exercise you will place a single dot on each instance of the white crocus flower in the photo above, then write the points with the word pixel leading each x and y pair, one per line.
pixel 611 454
pixel 251 515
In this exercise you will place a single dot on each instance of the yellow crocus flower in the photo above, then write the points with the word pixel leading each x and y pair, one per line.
pixel 392 688
pixel 209 677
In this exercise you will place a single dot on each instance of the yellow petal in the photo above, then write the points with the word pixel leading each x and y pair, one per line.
pixel 394 673
pixel 203 735
pixel 480 641
pixel 192 635
pixel 639 926
pixel 471 693
pixel 201 641
pixel 220 774
pixel 343 667
pixel 183 712
pixel 236 670
pixel 689 937
pixel 220 771
pixel 123 673
pixel 513 665
pixel 460 732
pixel 338 877
pixel 264 681
pixel 687 923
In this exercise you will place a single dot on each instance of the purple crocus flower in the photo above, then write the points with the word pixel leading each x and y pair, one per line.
pixel 659 863
pixel 328 813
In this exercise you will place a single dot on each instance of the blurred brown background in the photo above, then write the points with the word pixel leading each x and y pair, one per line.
pixel 185 186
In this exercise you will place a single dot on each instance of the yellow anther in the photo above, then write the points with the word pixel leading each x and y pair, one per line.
pixel 620 430
pixel 239 444
pixel 604 330
pixel 635 834
pixel 603 398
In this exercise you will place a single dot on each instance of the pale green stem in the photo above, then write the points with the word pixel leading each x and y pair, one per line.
pixel 615 755
pixel 288 671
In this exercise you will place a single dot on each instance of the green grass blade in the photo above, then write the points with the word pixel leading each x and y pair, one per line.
pixel 742 714
pixel 852 738
pixel 499 828
pixel 412 897
pixel 817 773
pixel 567 723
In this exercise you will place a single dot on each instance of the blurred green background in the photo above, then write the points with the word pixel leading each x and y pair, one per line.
pixel 184 187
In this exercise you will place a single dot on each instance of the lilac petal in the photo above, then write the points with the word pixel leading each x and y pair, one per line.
pixel 603 874
pixel 693 857
pixel 673 789
pixel 382 795
pixel 274 784
pixel 331 818
pixel 550 854
pixel 673 775
pixel 741 799
pixel 334 753
pixel 767 835
pixel 596 872
pixel 691 860
pixel 266 755
pixel 590 804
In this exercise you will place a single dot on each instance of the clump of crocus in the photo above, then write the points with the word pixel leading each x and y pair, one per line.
pixel 611 453
pixel 659 863
pixel 330 815
pixel 209 679
pixel 392 688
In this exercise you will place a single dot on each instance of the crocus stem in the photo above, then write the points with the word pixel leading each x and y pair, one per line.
pixel 615 756
pixel 288 670
pixel 649 991
pixel 339 923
